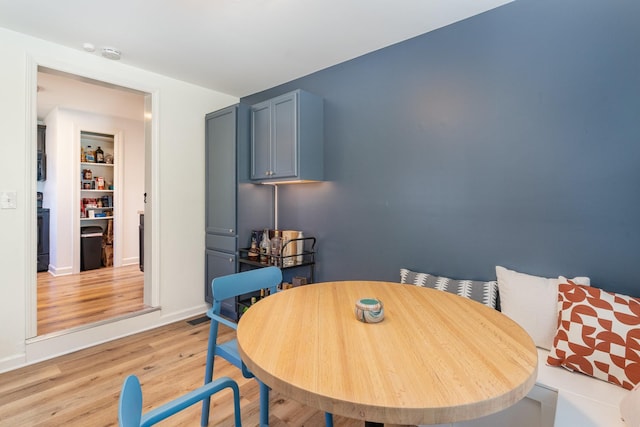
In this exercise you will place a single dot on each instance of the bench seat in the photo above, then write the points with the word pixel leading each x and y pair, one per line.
pixel 560 398
pixel 582 400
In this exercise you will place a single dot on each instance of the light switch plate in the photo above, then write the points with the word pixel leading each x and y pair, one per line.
pixel 8 200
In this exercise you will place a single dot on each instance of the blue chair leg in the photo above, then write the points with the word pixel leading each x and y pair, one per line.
pixel 328 419
pixel 264 404
pixel 208 375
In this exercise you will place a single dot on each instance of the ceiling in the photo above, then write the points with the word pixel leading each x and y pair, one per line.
pixel 57 89
pixel 238 47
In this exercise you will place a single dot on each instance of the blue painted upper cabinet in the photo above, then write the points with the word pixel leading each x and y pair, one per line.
pixel 287 138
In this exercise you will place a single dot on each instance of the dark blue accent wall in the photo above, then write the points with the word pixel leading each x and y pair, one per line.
pixel 511 138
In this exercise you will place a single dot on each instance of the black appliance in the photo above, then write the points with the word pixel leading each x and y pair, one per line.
pixel 43 239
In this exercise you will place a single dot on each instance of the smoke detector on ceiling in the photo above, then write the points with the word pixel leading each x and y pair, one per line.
pixel 111 53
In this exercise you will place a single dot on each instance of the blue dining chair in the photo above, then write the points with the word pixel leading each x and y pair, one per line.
pixel 130 406
pixel 226 287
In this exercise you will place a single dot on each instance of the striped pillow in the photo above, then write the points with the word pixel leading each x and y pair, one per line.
pixel 483 292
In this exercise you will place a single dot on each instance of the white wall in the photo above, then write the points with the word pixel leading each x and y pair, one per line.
pixel 62 128
pixel 179 197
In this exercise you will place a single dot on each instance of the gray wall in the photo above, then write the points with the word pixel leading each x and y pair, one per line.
pixel 511 138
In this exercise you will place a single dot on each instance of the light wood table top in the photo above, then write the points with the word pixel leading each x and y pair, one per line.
pixel 435 358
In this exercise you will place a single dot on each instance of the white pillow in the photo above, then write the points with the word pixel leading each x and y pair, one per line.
pixel 532 302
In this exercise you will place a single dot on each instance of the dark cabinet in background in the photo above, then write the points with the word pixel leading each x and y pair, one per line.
pixel 41 166
pixel 43 239
pixel 141 241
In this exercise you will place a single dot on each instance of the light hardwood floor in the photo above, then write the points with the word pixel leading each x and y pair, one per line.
pixel 82 388
pixel 67 302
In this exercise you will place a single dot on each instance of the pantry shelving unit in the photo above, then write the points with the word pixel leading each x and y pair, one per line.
pixel 97 186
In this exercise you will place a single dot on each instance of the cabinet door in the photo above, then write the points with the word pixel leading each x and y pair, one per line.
pixel 221 172
pixel 220 264
pixel 261 141
pixel 284 140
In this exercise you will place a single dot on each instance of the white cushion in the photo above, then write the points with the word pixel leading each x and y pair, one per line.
pixel 532 302
pixel 582 400
pixel 630 407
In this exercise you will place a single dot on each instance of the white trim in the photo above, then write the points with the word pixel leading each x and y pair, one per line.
pixel 60 271
pixel 130 261
pixel 154 198
pixel 12 362
pixel 31 248
pixel 75 201
pixel 118 182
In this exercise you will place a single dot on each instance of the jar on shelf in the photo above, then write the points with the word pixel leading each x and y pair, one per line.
pixel 99 155
pixel 90 155
pixel 254 252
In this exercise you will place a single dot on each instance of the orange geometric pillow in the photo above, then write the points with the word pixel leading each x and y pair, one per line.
pixel 598 334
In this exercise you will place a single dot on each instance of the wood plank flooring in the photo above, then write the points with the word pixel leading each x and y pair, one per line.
pixel 66 302
pixel 82 388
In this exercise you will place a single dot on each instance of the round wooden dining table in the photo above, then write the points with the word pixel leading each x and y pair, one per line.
pixel 435 358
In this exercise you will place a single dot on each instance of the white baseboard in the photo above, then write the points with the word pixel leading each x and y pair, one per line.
pixel 12 362
pixel 62 271
pixel 130 261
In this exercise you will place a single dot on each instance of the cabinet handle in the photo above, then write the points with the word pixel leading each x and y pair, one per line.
pixel 230 259
pixel 231 230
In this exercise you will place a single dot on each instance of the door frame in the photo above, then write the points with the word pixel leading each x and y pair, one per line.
pixel 152 126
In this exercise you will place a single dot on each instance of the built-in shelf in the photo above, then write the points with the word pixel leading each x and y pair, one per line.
pixel 97 194
pixel 96 164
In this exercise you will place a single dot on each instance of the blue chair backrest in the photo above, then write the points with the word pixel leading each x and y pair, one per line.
pixel 130 406
pixel 225 287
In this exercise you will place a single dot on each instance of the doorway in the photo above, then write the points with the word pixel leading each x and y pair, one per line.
pixel 71 107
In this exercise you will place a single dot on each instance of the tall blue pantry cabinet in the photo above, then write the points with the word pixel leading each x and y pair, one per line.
pixel 233 205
